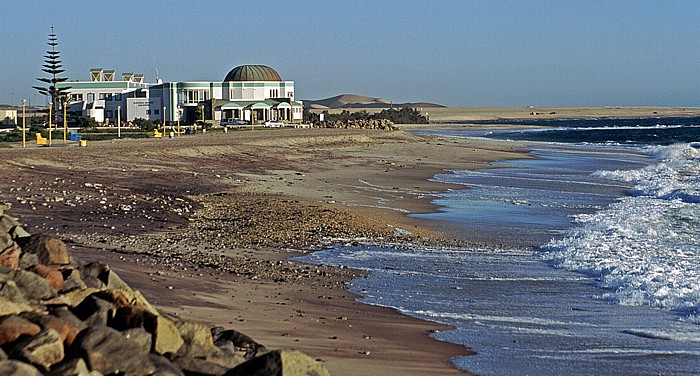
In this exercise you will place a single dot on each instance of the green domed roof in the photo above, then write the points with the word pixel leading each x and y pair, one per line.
pixel 252 73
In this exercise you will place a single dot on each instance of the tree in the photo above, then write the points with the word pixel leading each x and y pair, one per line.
pixel 52 66
pixel 145 124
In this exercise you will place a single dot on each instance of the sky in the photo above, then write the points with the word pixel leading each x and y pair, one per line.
pixel 462 53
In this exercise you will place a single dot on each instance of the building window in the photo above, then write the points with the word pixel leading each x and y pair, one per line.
pixel 117 97
pixel 148 112
pixel 108 113
pixel 156 112
pixel 102 96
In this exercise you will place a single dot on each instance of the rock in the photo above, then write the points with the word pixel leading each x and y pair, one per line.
pixel 70 367
pixel 140 337
pixel 50 249
pixel 43 350
pixel 3 355
pixel 9 257
pixel 101 272
pixel 53 276
pixel 94 311
pixel 238 341
pixel 64 322
pixel 280 362
pixel 5 240
pixel 32 286
pixel 198 366
pixel 166 337
pixel 7 223
pixel 10 307
pixel 14 327
pixel 108 351
pixel 17 368
pixel 19 232
pixel 127 317
pixel 76 297
pixel 72 280
pixel 164 367
pixel 27 260
pixel 197 337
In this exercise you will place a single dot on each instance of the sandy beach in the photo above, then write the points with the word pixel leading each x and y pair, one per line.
pixel 204 227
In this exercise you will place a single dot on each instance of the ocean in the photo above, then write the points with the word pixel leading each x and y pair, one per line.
pixel 596 268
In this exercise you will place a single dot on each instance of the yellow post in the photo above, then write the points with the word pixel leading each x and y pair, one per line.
pixel 164 119
pixel 202 118
pixel 119 121
pixel 24 126
pixel 65 123
pixel 50 129
pixel 178 121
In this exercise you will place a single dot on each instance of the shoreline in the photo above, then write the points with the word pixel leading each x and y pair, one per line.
pixel 369 179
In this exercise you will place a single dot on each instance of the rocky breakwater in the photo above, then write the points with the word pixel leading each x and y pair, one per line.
pixel 381 124
pixel 62 317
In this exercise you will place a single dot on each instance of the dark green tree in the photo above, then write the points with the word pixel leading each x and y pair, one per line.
pixel 52 66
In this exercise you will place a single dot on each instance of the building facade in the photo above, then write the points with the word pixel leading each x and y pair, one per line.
pixel 248 93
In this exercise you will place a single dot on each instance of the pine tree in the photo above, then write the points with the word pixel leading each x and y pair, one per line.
pixel 52 66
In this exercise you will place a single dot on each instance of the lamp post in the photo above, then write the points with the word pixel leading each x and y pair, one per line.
pixel 119 121
pixel 164 121
pixel 178 120
pixel 24 126
pixel 65 122
pixel 50 114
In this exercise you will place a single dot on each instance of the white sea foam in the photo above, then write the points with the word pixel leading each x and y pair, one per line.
pixel 644 248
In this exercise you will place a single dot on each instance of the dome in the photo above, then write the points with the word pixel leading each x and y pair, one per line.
pixel 252 73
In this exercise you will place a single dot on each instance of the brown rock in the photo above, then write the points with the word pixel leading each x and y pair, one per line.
pixel 64 322
pixel 14 327
pixel 17 368
pixel 72 280
pixel 9 257
pixel 108 351
pixel 238 341
pixel 198 366
pixel 280 362
pixel 52 275
pixel 166 337
pixel 127 317
pixel 27 260
pixel 43 350
pixel 50 249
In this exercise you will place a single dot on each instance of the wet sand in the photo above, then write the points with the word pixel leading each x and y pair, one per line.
pixel 203 224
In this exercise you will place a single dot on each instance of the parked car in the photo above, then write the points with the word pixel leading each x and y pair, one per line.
pixel 232 122
pixel 274 124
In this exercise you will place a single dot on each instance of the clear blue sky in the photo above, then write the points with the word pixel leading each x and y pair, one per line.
pixel 457 53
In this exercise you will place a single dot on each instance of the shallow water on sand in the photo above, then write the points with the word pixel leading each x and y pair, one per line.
pixel 510 305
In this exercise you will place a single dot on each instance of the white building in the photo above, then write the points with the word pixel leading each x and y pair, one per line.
pixel 247 91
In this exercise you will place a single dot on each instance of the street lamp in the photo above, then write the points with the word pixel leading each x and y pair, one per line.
pixel 119 121
pixel 179 114
pixel 24 126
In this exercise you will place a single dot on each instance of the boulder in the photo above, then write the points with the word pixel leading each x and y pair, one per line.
pixel 33 287
pixel 27 260
pixel 140 337
pixel 197 337
pixel 237 341
pixel 18 232
pixel 43 350
pixel 101 272
pixel 198 366
pixel 280 363
pixel 127 317
pixel 14 327
pixel 62 321
pixel 70 367
pixel 166 337
pixel 94 311
pixel 108 351
pixel 52 275
pixel 72 280
pixel 17 368
pixel 9 256
pixel 49 249
pixel 5 240
pixel 164 367
pixel 7 223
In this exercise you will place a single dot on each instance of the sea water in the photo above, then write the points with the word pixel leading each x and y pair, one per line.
pixel 597 268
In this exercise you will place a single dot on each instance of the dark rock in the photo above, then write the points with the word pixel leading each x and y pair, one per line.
pixel 102 272
pixel 94 311
pixel 14 327
pixel 280 363
pixel 164 367
pixel 19 232
pixel 198 366
pixel 43 350
pixel 72 280
pixel 27 260
pixel 17 368
pixel 50 249
pixel 140 337
pixel 238 340
pixel 70 367
pixel 64 322
pixel 108 351
pixel 32 286
pixel 128 317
